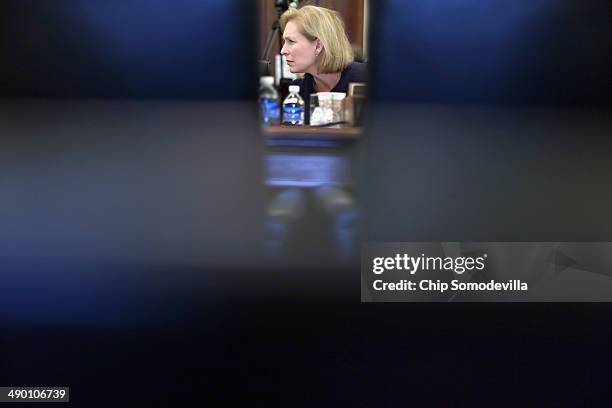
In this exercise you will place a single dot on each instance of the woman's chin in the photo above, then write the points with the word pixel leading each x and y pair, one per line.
pixel 295 70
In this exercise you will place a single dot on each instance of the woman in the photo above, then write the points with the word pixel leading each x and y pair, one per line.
pixel 316 44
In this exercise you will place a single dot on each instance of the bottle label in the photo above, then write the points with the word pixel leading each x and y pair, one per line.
pixel 293 114
pixel 270 112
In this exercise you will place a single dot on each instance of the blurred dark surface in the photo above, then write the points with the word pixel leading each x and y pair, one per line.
pixel 487 173
pixel 180 268
pixel 139 236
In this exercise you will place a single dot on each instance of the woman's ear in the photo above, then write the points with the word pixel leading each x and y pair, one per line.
pixel 318 46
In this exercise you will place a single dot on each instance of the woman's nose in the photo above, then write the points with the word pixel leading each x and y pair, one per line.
pixel 283 50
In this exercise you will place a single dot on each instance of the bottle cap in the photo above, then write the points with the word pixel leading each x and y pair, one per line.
pixel 266 80
pixel 294 88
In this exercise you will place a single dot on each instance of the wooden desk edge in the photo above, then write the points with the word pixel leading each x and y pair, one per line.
pixel 307 132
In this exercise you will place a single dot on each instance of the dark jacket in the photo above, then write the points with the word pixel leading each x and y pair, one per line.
pixel 354 72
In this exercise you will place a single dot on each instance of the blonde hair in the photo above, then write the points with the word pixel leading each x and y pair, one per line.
pixel 326 25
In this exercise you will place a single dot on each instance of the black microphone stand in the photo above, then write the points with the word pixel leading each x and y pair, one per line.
pixel 281 6
pixel 274 30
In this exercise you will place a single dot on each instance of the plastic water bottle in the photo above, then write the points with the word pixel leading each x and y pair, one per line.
pixel 268 102
pixel 293 107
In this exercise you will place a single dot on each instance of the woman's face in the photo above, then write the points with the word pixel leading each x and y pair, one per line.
pixel 300 52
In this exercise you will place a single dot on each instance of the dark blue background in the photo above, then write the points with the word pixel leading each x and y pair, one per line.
pixel 554 52
pixel 127 49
